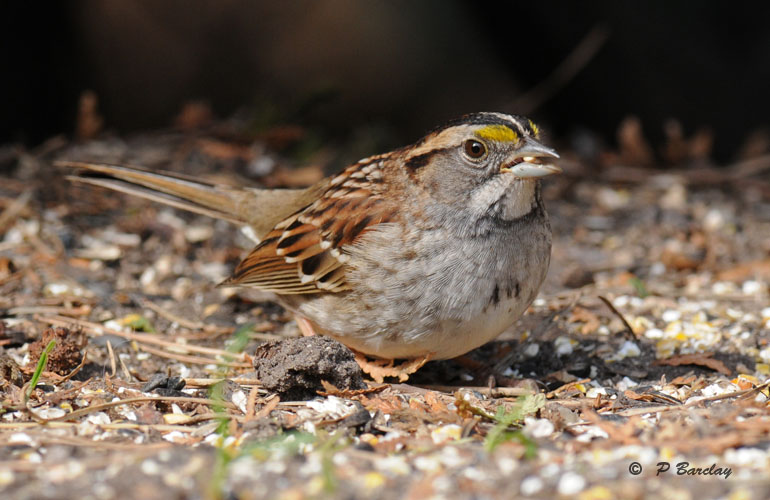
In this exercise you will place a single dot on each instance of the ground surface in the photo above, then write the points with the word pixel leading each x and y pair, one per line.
pixel 649 343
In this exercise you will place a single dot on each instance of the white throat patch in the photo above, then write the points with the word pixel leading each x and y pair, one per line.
pixel 509 197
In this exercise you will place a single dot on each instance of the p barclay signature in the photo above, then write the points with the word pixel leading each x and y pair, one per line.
pixel 684 469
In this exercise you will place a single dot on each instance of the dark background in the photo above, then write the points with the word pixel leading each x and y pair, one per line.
pixel 404 66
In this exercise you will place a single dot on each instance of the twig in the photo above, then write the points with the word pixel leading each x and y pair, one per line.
pixel 82 310
pixel 270 405
pixel 113 426
pixel 181 321
pixel 494 392
pixel 13 209
pixel 729 395
pixel 110 404
pixel 563 73
pixel 619 315
pixel 99 330
pixel 77 368
pixel 251 403
pixel 692 402
pixel 564 387
pixel 208 382
pixel 199 360
pixel 124 368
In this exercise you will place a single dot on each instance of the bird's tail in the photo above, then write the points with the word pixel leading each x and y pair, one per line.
pixel 259 208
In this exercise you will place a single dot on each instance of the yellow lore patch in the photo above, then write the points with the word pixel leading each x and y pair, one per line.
pixel 497 133
pixel 535 129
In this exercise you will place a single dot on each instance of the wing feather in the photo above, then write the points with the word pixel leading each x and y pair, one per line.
pixel 305 252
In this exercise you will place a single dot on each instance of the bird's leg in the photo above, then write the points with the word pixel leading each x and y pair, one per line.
pixel 378 369
pixel 305 326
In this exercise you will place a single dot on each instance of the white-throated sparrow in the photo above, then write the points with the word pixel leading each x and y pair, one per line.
pixel 430 250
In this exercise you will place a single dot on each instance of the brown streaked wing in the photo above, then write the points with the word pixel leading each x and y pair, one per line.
pixel 305 253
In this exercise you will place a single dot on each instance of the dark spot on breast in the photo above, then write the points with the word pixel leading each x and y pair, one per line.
pixel 495 296
pixel 513 290
pixel 391 336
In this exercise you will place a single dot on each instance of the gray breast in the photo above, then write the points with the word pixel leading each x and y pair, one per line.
pixel 436 275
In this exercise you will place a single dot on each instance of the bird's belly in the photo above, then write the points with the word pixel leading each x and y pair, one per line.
pixel 440 338
pixel 452 302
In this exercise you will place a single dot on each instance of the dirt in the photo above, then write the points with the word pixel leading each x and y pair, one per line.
pixel 295 368
pixel 67 352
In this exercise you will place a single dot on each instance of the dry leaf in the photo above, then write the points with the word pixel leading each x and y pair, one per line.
pixel 583 315
pixel 696 359
pixel 636 396
pixel 745 270
pixel 683 380
pixel 332 390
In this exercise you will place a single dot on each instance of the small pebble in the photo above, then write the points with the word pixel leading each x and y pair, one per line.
pixel 563 346
pixel 538 427
pixel 629 349
pixel 654 333
pixel 751 287
pixel 531 485
pixel 671 315
pixel 571 484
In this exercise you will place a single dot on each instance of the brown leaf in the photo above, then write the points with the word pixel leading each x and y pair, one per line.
pixel 696 359
pixel 683 380
pixel 433 401
pixel 332 390
pixel 583 315
pixel 386 403
pixel 634 148
pixel 636 396
pixel 746 270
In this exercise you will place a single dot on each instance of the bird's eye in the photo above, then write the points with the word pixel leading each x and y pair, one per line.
pixel 474 149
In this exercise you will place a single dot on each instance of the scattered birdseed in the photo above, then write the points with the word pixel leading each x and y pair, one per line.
pixel 446 433
pixel 531 485
pixel 571 483
pixel 538 428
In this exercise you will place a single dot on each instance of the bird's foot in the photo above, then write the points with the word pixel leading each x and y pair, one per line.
pixel 378 369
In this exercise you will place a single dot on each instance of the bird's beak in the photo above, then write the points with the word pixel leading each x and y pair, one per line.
pixel 531 161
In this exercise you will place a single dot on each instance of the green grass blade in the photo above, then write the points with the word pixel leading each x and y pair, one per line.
pixel 39 368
